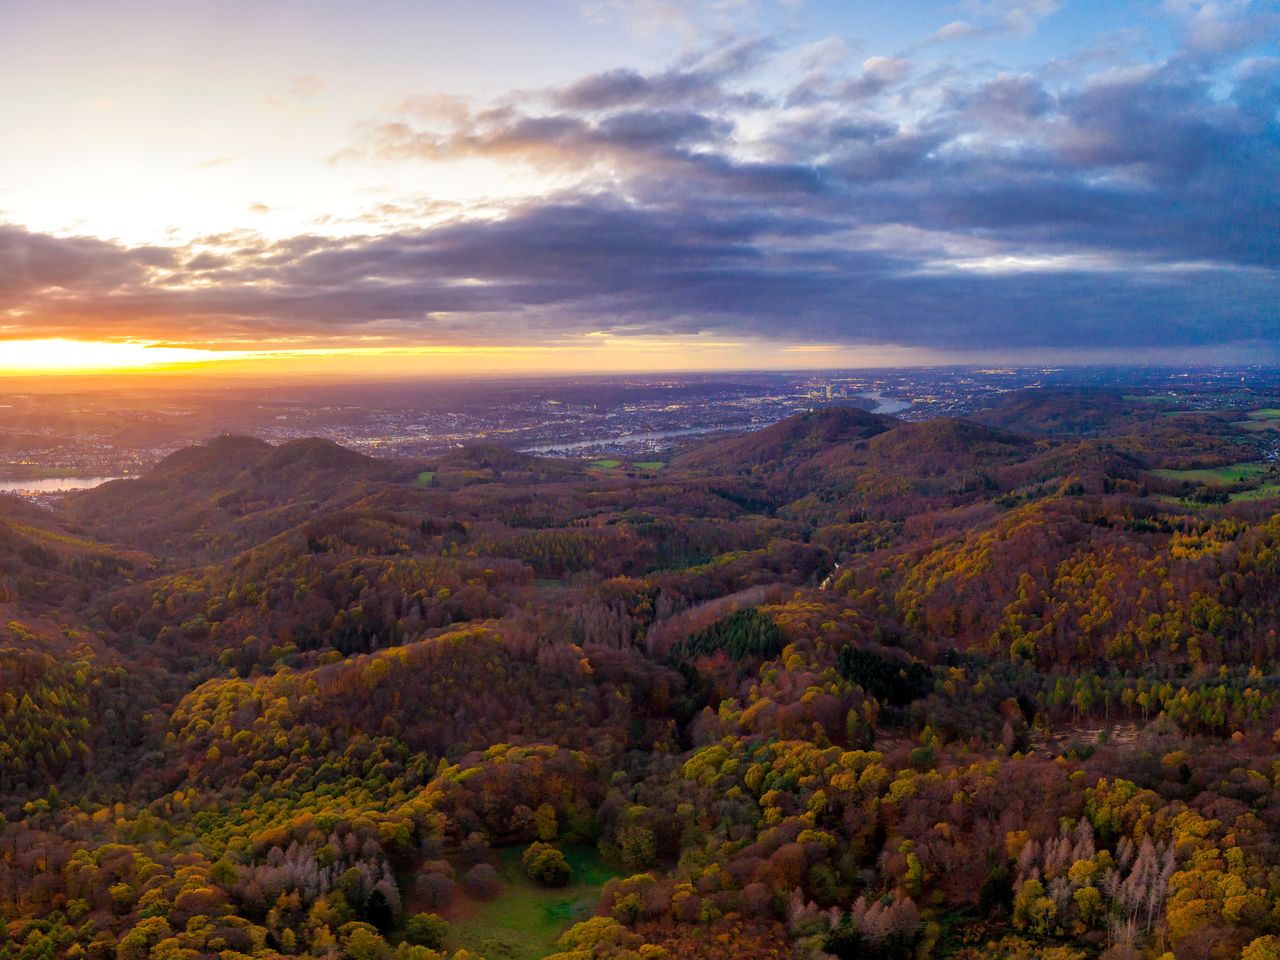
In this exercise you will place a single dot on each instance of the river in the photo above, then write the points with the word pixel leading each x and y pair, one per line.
pixel 54 484
pixel 885 404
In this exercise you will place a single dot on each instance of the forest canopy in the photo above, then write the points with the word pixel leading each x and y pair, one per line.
pixel 845 687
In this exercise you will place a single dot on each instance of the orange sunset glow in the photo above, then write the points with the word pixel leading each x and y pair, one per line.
pixel 60 355
pixel 594 353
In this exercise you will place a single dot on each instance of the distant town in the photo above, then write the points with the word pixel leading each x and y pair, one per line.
pixel 52 443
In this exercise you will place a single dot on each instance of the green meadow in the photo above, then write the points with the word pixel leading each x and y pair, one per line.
pixel 1160 398
pixel 1250 472
pixel 524 921
pixel 1264 492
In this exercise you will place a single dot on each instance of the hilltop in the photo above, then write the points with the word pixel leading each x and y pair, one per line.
pixel 833 687
pixel 226 494
pixel 787 444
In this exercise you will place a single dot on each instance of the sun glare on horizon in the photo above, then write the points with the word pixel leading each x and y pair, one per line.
pixel 595 353
pixel 62 355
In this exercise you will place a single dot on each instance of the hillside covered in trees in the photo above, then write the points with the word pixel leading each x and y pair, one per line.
pixel 845 687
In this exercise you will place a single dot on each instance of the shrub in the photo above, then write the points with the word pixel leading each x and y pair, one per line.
pixel 426 930
pixel 481 880
pixel 637 847
pixel 546 865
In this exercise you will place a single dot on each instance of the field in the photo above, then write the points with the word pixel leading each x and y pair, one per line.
pixel 524 921
pixel 549 586
pixel 425 478
pixel 1257 426
pixel 1160 398
pixel 613 464
pixel 1232 473
pixel 1257 474
pixel 1267 413
pixel 1264 492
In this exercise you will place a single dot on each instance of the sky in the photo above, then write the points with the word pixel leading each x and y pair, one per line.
pixel 496 186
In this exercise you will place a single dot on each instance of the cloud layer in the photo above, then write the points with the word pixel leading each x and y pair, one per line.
pixel 1111 203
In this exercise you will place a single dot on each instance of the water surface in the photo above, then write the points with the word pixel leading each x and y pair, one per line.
pixel 54 484
pixel 886 404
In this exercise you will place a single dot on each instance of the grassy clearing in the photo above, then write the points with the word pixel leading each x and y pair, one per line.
pixel 1265 420
pixel 524 921
pixel 41 535
pixel 1257 426
pixel 606 464
pixel 649 465
pixel 1232 473
pixel 1265 492
pixel 425 479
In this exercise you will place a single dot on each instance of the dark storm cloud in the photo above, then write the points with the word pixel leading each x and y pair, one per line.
pixel 1134 207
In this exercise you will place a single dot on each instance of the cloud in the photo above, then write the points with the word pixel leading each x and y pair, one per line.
pixel 699 79
pixel 303 89
pixel 879 202
pixel 1007 101
pixel 995 18
pixel 1023 17
pixel 878 74
pixel 620 88
pixel 956 30
pixel 646 17
pixel 1217 27
pixel 33 263
pixel 307 86
pixel 561 142
pixel 688 19
pixel 214 162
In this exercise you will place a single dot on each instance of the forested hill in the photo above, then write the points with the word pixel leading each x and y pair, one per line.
pixel 230 493
pixel 843 687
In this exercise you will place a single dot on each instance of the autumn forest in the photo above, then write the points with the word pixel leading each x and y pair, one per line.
pixel 844 687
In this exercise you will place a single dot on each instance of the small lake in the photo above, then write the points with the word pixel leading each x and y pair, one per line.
pixel 54 485
pixel 886 404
